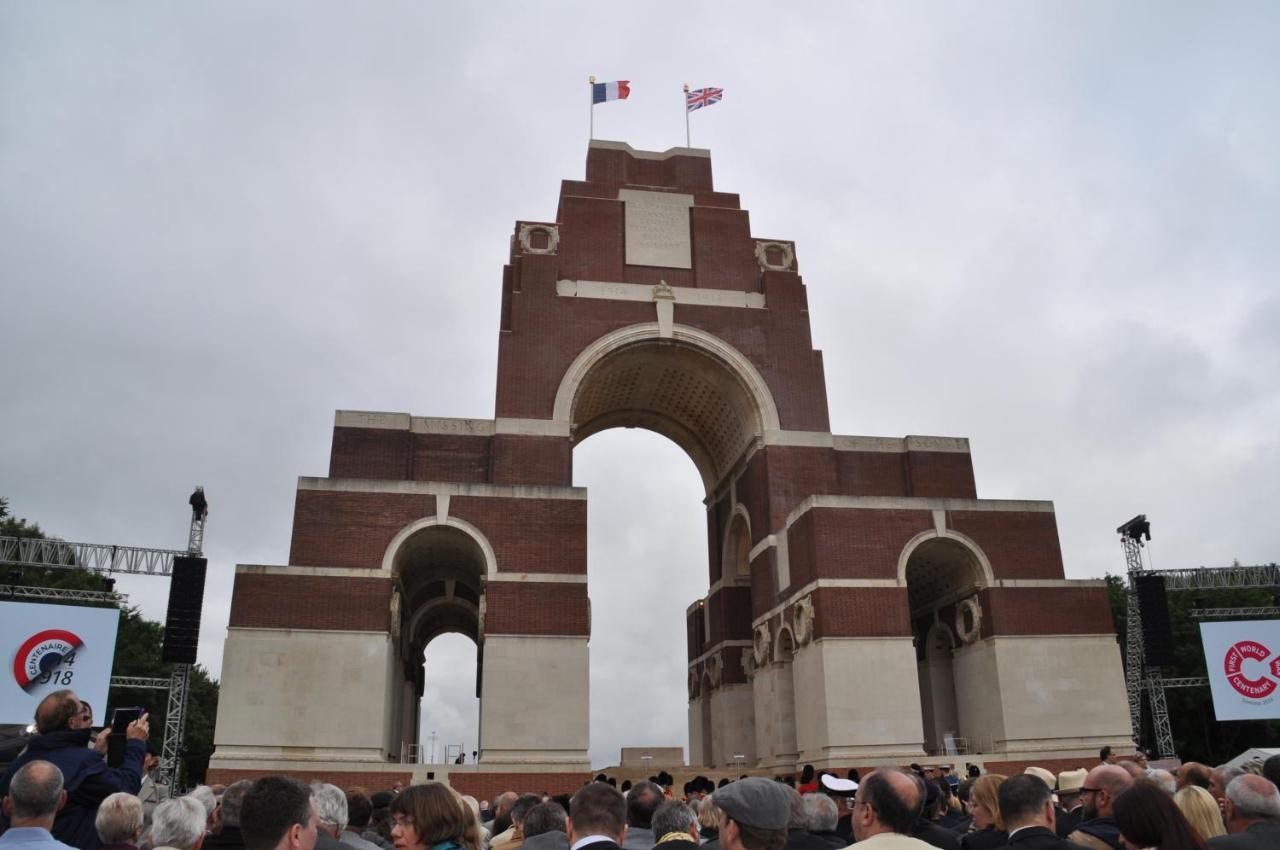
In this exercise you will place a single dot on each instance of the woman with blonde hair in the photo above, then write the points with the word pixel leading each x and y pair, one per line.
pixel 433 817
pixel 1201 811
pixel 984 807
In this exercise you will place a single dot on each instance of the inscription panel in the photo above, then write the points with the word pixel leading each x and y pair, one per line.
pixel 657 228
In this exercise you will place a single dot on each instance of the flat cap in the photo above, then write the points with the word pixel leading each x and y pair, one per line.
pixel 755 801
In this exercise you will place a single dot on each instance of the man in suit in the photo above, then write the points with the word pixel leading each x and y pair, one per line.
pixel 1102 785
pixel 885 811
pixel 277 815
pixel 330 804
pixel 1070 806
pixel 597 817
pixel 1026 806
pixel 675 825
pixel 1252 815
pixel 754 813
pixel 642 801
pixel 544 828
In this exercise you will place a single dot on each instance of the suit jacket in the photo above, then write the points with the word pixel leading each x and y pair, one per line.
pixel 638 838
pixel 1260 836
pixel 940 837
pixel 799 839
pixel 554 840
pixel 1068 821
pixel 984 839
pixel 1040 838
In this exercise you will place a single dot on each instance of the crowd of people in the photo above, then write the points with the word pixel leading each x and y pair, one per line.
pixel 60 793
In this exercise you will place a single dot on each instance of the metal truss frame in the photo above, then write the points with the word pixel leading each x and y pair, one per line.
pixel 61 594
pixel 95 557
pixel 1140 678
pixel 140 682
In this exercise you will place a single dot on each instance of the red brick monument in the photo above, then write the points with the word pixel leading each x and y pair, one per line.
pixel 863 604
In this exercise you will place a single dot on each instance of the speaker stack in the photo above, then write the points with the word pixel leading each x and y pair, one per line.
pixel 186 598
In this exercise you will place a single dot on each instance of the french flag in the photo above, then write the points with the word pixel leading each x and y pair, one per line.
pixel 600 92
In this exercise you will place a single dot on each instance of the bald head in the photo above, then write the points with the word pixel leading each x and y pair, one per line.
pixel 35 795
pixel 56 711
pixel 1103 784
pixel 1250 799
pixel 1195 773
pixel 892 803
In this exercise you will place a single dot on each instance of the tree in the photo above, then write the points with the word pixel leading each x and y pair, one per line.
pixel 1197 734
pixel 137 653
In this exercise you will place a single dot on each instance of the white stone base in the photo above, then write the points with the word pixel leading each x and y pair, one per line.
pixel 304 694
pixel 733 724
pixel 534 702
pixel 857 700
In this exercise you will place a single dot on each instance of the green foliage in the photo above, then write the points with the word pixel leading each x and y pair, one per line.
pixel 138 644
pixel 1197 734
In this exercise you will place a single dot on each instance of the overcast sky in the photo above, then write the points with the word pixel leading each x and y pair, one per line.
pixel 1049 227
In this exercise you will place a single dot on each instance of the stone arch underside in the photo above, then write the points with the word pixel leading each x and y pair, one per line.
pixel 438 571
pixel 676 389
pixel 940 573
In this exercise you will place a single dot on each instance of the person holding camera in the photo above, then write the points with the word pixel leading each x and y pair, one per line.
pixel 61 740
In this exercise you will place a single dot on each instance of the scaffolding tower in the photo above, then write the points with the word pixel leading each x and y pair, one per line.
pixel 1139 677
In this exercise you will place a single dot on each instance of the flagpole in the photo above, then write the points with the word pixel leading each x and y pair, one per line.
pixel 591 81
pixel 686 116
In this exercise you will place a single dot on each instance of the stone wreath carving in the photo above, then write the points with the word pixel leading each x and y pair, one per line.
pixel 715 668
pixel 694 681
pixel 788 256
pixel 803 620
pixel 762 645
pixel 970 607
pixel 748 662
pixel 526 238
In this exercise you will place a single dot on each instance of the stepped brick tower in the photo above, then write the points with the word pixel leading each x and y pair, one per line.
pixel 863 603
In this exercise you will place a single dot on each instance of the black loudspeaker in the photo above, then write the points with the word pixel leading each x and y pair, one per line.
pixel 1157 636
pixel 186 598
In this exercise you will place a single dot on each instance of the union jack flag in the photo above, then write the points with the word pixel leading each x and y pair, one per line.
pixel 698 98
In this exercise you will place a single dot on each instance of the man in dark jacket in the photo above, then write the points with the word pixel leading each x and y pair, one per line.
pixel 229 837
pixel 1098 828
pixel 86 778
pixel 1252 816
pixel 927 829
pixel 1026 806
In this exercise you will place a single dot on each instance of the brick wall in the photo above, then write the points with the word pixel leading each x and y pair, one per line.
pixel 536 608
pixel 1046 611
pixel 532 460
pixel 333 529
pixel 310 602
pixel 1018 544
pixel 941 474
pixel 530 535
pixel 861 612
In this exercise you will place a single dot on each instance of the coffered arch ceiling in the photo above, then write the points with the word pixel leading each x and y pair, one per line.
pixel 675 389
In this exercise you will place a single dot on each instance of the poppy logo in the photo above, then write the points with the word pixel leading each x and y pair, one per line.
pixel 1233 665
pixel 46 657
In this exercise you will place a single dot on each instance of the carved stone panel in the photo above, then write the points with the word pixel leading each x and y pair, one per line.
pixel 657 228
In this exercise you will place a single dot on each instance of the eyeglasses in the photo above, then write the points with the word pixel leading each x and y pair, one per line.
pixel 402 821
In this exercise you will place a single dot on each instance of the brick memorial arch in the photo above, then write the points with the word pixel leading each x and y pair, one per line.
pixel 863 604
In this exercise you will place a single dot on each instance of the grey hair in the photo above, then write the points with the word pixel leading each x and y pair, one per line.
pixel 178 823
pixel 673 816
pixel 821 813
pixel 797 818
pixel 1167 781
pixel 119 819
pixel 232 801
pixel 204 795
pixel 35 790
pixel 331 804
pixel 1251 801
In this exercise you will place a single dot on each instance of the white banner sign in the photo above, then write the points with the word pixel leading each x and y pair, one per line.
pixel 49 647
pixel 1243 660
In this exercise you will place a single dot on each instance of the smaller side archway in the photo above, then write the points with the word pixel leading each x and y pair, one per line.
pixel 943 573
pixel 439 568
